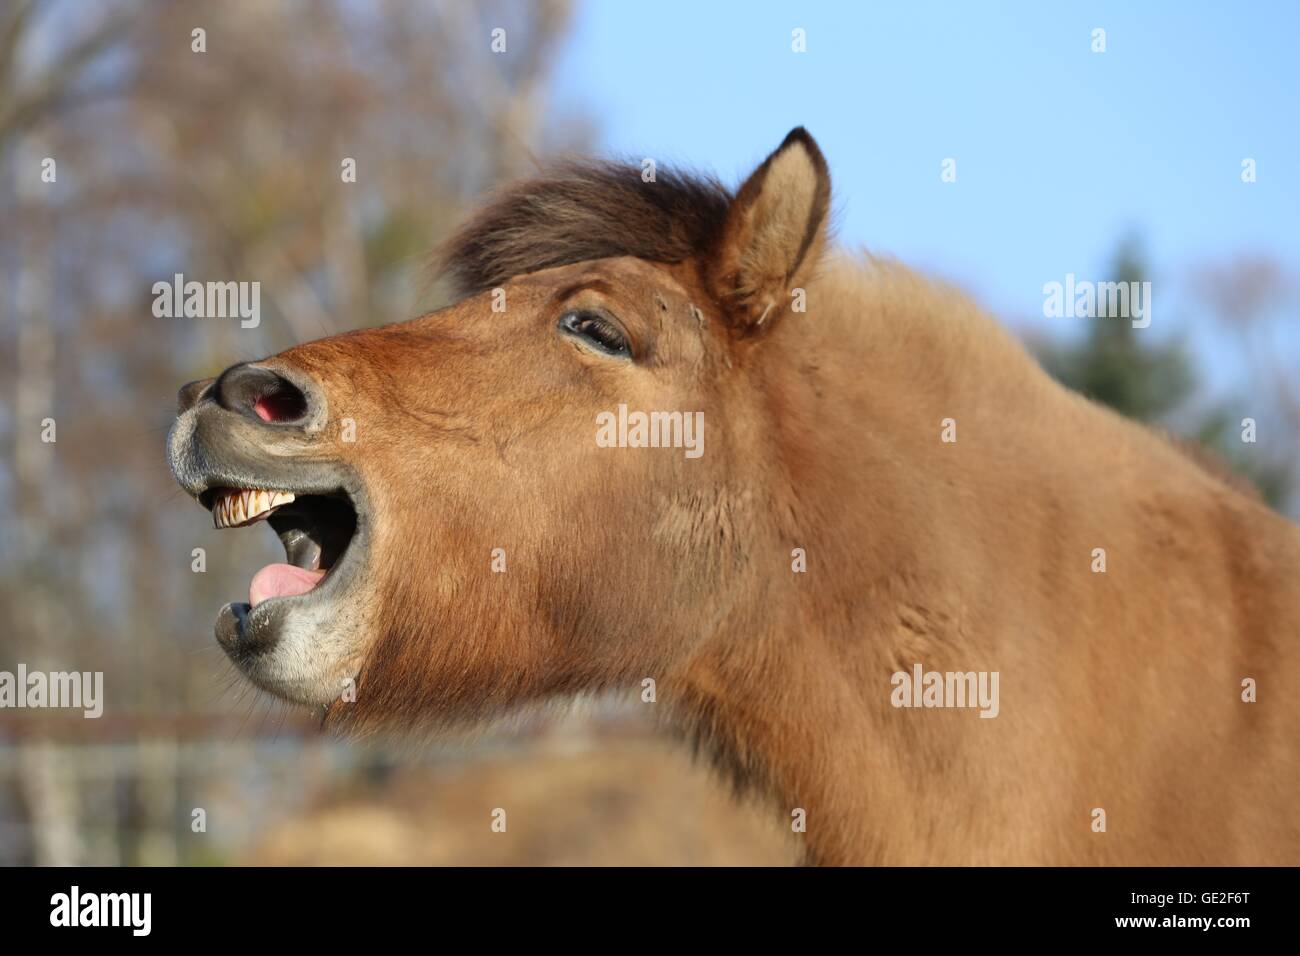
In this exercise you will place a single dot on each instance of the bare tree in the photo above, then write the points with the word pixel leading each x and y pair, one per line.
pixel 222 157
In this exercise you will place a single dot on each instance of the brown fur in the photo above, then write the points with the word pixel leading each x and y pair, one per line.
pixel 1119 690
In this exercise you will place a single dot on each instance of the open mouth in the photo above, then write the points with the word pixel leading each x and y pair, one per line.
pixel 315 529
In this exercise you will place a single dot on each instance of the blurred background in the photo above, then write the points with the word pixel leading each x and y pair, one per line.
pixel 1127 162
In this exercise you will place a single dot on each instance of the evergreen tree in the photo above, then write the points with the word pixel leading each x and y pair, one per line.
pixel 1150 378
pixel 1122 366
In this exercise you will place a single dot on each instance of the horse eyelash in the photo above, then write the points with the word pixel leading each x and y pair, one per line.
pixel 615 331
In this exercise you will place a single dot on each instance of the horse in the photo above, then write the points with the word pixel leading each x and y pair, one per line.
pixel 930 605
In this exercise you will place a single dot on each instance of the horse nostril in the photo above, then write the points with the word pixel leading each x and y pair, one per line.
pixel 261 393
pixel 280 407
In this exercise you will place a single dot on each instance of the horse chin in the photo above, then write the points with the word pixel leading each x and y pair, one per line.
pixel 301 651
pixel 303 647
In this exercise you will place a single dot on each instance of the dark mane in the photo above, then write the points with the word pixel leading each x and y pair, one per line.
pixel 580 210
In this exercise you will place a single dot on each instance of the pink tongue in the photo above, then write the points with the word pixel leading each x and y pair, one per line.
pixel 281 580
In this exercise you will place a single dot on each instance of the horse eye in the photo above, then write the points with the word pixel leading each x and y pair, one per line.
pixel 597 331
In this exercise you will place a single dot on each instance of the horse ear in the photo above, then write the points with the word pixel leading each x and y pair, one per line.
pixel 773 235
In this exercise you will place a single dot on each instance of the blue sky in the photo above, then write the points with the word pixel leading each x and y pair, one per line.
pixel 1060 151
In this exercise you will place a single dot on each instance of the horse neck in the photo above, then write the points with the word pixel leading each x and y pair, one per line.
pixel 790 695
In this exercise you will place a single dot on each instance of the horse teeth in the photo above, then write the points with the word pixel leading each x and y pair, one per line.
pixel 237 507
